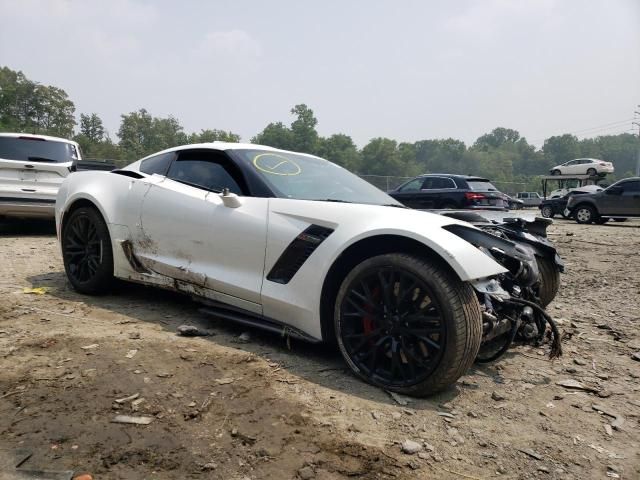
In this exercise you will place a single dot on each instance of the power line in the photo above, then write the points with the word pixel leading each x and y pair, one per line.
pixel 595 129
pixel 601 126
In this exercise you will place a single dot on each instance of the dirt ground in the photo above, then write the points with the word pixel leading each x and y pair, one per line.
pixel 250 407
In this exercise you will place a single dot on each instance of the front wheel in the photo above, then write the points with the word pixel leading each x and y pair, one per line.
pixel 407 325
pixel 585 214
pixel 555 172
pixel 547 212
pixel 592 172
pixel 86 252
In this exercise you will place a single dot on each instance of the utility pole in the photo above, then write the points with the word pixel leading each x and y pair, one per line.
pixel 637 123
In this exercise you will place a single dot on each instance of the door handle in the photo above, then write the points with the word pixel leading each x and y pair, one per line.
pixel 28 166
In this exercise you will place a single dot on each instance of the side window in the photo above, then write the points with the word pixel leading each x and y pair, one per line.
pixel 444 183
pixel 206 170
pixel 428 184
pixel 157 164
pixel 631 187
pixel 413 185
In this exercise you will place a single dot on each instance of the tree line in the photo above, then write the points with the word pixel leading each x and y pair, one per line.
pixel 502 155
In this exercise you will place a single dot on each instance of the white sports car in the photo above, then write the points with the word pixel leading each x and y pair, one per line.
pixel 296 244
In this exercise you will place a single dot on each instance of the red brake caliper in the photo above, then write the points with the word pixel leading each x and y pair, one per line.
pixel 367 320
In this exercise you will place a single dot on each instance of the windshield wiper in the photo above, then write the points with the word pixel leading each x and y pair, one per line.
pixel 330 200
pixel 395 205
pixel 42 159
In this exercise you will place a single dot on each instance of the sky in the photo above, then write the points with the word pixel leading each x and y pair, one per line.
pixel 407 70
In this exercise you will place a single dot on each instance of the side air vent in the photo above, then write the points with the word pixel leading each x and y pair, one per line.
pixel 298 251
pixel 128 173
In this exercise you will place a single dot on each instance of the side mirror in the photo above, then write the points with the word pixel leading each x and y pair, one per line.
pixel 614 190
pixel 229 199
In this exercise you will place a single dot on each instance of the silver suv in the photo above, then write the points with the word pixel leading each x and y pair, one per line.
pixel 32 167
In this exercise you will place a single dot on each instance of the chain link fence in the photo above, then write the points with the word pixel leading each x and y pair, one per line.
pixel 385 182
pixel 511 188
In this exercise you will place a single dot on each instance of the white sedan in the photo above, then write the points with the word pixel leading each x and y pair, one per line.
pixel 583 166
pixel 298 245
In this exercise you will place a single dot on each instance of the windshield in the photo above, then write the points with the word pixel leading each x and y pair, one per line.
pixel 36 150
pixel 303 177
pixel 481 186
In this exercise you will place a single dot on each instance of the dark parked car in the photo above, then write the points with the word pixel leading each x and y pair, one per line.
pixel 619 201
pixel 557 205
pixel 513 203
pixel 435 191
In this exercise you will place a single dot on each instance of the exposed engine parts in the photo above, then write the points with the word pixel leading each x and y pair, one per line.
pixel 513 303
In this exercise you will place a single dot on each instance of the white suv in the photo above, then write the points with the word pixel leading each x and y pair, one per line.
pixel 32 167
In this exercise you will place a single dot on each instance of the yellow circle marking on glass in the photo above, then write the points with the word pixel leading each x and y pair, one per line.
pixel 260 164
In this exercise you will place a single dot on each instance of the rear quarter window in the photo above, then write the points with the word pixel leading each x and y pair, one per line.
pixel 157 164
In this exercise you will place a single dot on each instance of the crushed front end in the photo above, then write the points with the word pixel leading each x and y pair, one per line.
pixel 513 303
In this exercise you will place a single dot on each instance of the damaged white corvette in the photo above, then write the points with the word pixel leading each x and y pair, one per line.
pixel 296 244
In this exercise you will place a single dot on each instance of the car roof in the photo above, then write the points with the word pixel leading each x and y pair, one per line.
pixel 217 145
pixel 454 175
pixel 38 137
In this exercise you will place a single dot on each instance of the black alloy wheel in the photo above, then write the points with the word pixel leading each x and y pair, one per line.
pixel 86 250
pixel 404 325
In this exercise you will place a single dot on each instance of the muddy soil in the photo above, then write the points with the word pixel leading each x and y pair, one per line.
pixel 257 406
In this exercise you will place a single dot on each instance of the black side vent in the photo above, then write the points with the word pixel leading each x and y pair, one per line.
pixel 298 251
pixel 128 173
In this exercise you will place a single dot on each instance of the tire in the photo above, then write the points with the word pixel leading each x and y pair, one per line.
pixel 585 214
pixel 547 211
pixel 87 252
pixel 384 349
pixel 592 171
pixel 555 172
pixel 549 280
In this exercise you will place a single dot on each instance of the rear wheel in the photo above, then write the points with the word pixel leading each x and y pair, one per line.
pixel 549 280
pixel 86 251
pixel 585 214
pixel 547 212
pixel 406 325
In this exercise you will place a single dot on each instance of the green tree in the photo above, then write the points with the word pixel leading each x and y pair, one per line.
pixel 340 149
pixel 30 107
pixel 560 149
pixel 91 127
pixel 381 157
pixel 440 155
pixel 276 135
pixel 208 136
pixel 142 134
pixel 498 137
pixel 303 130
